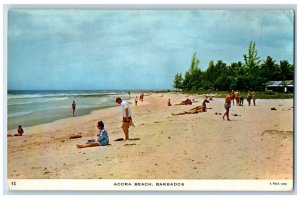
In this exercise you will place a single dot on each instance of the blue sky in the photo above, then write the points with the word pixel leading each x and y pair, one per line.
pixel 137 49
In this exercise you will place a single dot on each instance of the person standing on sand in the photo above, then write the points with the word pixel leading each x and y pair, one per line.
pixel 227 104
pixel 126 115
pixel 232 96
pixel 237 97
pixel 253 97
pixel 136 100
pixel 20 131
pixel 73 107
pixel 241 100
pixel 249 97
pixel 142 97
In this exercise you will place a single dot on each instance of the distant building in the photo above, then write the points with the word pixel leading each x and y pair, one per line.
pixel 280 86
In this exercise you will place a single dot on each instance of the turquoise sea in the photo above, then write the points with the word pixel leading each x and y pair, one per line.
pixel 32 107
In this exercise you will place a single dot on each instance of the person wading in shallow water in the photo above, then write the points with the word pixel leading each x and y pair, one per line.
pixel 73 107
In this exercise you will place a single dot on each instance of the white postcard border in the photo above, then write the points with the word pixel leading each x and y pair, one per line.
pixel 149 185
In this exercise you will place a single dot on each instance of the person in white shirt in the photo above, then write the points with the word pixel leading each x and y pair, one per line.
pixel 126 115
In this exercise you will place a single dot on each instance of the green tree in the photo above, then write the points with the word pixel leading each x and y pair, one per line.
pixel 250 75
pixel 220 71
pixel 251 60
pixel 285 70
pixel 210 72
pixel 178 81
pixel 195 73
pixel 269 70
pixel 186 84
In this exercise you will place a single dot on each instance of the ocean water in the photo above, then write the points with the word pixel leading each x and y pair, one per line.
pixel 29 108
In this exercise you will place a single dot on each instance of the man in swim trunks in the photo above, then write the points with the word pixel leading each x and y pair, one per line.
pixel 227 104
pixel 126 115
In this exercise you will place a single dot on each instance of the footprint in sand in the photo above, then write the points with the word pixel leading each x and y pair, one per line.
pixel 129 144
pixel 36 167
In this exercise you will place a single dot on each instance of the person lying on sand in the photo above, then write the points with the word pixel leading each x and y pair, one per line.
pixel 102 139
pixel 20 131
pixel 186 102
pixel 198 109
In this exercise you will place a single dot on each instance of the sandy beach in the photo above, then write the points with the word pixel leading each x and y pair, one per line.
pixel 256 144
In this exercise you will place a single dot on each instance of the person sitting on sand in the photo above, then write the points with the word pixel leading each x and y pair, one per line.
pixel 227 104
pixel 186 102
pixel 205 101
pixel 102 139
pixel 198 109
pixel 169 102
pixel 20 131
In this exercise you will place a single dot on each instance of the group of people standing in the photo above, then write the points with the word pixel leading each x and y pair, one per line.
pixel 239 99
pixel 231 96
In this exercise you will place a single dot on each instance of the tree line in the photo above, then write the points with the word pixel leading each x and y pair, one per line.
pixel 251 74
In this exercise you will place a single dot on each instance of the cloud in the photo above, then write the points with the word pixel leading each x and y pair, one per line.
pixel 152 45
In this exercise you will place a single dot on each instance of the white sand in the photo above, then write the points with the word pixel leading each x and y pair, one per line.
pixel 258 144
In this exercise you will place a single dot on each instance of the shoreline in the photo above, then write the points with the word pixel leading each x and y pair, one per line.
pixel 256 144
pixel 33 119
pixel 87 111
